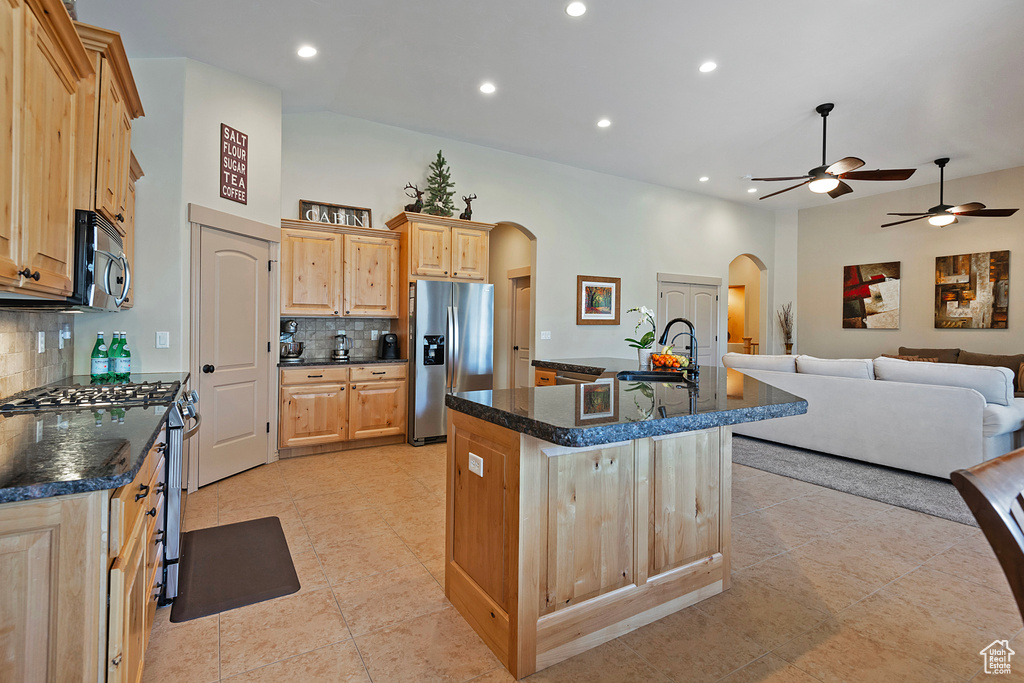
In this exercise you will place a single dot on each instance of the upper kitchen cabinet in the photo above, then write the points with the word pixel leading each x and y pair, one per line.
pixel 134 173
pixel 338 270
pixel 438 248
pixel 371 277
pixel 109 102
pixel 42 62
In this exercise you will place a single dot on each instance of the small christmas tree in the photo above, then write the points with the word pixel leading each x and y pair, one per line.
pixel 440 189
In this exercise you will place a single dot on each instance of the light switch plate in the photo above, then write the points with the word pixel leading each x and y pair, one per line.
pixel 42 342
pixel 545 334
pixel 163 340
pixel 476 465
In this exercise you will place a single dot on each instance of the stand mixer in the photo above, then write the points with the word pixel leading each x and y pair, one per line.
pixel 290 349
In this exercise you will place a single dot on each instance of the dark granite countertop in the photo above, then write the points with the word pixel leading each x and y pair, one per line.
pixel 49 454
pixel 611 410
pixel 373 360
pixel 587 366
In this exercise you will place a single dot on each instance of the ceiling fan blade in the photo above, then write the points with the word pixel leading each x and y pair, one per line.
pixel 786 190
pixel 909 214
pixel 992 213
pixel 909 220
pixel 841 189
pixel 793 177
pixel 973 206
pixel 880 174
pixel 844 165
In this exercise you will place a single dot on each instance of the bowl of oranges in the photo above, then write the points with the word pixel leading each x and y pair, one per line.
pixel 666 360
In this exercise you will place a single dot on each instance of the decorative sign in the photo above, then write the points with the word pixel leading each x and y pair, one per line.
pixel 234 164
pixel 334 214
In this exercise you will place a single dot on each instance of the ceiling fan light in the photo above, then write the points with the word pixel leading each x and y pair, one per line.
pixel 942 220
pixel 823 185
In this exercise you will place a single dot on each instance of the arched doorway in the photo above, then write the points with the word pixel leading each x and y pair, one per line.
pixel 749 321
pixel 512 269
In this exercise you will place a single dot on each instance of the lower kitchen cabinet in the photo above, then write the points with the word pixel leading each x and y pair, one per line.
pixel 128 607
pixel 312 414
pixel 377 409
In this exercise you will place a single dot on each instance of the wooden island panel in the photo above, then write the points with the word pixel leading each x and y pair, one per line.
pixel 594 542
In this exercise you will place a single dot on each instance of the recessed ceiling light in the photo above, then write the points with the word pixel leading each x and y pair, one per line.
pixel 307 51
pixel 708 67
pixel 604 123
pixel 487 88
pixel 575 9
pixel 752 190
pixel 704 178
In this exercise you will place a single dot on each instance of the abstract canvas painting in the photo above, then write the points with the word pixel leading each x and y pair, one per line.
pixel 871 296
pixel 972 290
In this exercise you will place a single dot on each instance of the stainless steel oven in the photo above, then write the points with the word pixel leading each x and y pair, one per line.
pixel 178 432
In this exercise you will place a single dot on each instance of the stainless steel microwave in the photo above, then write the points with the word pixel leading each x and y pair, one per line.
pixel 102 274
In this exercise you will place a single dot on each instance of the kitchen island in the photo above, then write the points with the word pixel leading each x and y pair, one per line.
pixel 577 513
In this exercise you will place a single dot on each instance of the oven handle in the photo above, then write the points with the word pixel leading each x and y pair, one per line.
pixel 195 428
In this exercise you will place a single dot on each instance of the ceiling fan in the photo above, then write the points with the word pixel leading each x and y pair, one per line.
pixel 828 178
pixel 943 214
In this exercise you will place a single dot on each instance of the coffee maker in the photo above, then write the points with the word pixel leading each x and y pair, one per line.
pixel 342 345
pixel 388 347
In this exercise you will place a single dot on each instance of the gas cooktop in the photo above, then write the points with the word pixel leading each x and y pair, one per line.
pixel 83 396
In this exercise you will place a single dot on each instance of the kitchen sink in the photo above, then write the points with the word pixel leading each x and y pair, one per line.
pixel 655 376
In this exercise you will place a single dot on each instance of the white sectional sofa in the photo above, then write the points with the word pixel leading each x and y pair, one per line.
pixel 930 418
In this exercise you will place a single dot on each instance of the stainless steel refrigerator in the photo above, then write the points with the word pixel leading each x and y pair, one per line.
pixel 451 336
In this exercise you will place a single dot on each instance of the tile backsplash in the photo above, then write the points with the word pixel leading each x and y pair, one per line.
pixel 317 334
pixel 21 365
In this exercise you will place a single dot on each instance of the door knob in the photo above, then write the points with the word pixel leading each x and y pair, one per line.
pixel 515 348
pixel 208 369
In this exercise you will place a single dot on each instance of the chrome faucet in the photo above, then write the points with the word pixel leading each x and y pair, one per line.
pixel 691 349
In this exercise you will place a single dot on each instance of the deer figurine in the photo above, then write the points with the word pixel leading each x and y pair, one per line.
pixel 416 206
pixel 467 215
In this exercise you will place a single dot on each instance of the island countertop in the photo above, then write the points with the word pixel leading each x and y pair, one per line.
pixel 610 410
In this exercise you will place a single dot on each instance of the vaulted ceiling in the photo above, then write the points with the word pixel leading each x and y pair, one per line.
pixel 912 80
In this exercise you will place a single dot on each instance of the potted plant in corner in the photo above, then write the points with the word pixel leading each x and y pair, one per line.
pixel 785 314
pixel 646 341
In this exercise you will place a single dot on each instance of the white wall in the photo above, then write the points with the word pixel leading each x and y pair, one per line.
pixel 586 223
pixel 784 282
pixel 848 233
pixel 509 249
pixel 177 145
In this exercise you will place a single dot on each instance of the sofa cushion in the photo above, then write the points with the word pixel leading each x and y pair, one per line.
pixel 742 361
pixel 1014 363
pixel 914 358
pixel 1003 419
pixel 994 383
pixel 856 368
pixel 944 355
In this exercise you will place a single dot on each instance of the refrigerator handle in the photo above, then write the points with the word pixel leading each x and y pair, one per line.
pixel 455 347
pixel 448 353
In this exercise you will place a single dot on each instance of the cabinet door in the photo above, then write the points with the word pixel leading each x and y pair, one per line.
pixel 310 272
pixel 429 249
pixel 371 276
pixel 313 414
pixel 129 242
pixel 113 149
pixel 377 409
pixel 469 254
pixel 47 172
pixel 10 63
pixel 126 640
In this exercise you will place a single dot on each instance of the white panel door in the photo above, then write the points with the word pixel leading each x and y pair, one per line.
pixel 521 332
pixel 233 356
pixel 697 303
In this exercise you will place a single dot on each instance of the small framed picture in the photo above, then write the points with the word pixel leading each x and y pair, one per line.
pixel 597 300
pixel 595 402
pixel 334 214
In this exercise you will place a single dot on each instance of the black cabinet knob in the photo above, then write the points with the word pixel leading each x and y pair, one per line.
pixel 151 512
pixel 120 218
pixel 27 273
pixel 208 369
pixel 145 492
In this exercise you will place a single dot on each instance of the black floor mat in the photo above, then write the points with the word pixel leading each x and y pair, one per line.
pixel 234 565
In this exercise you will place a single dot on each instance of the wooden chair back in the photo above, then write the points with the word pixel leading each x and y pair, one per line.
pixel 994 491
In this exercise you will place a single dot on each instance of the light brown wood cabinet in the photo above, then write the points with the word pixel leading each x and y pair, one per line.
pixel 10 40
pixel 134 173
pixel 435 247
pixel 313 414
pixel 109 104
pixel 128 597
pixel 371 277
pixel 340 271
pixel 377 409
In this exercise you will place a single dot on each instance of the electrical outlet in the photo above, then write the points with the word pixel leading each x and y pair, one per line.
pixel 42 342
pixel 476 464
pixel 163 340
pixel 545 334
pixel 374 335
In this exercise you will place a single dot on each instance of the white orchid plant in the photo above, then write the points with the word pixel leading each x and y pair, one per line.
pixel 646 340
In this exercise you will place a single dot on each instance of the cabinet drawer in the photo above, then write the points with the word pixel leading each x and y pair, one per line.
pixel 544 378
pixel 155 585
pixel 128 502
pixel 372 372
pixel 314 375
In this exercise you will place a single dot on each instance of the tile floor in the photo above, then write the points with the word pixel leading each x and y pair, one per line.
pixel 826 587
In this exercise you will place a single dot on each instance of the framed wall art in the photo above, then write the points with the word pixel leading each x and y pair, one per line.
pixel 871 296
pixel 597 300
pixel 972 291
pixel 335 214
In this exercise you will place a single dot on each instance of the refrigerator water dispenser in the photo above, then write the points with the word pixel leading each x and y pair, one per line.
pixel 433 349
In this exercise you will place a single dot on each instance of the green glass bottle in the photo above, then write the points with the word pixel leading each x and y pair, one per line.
pixel 100 367
pixel 123 361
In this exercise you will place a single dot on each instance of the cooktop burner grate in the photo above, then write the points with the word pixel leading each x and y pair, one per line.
pixel 79 396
